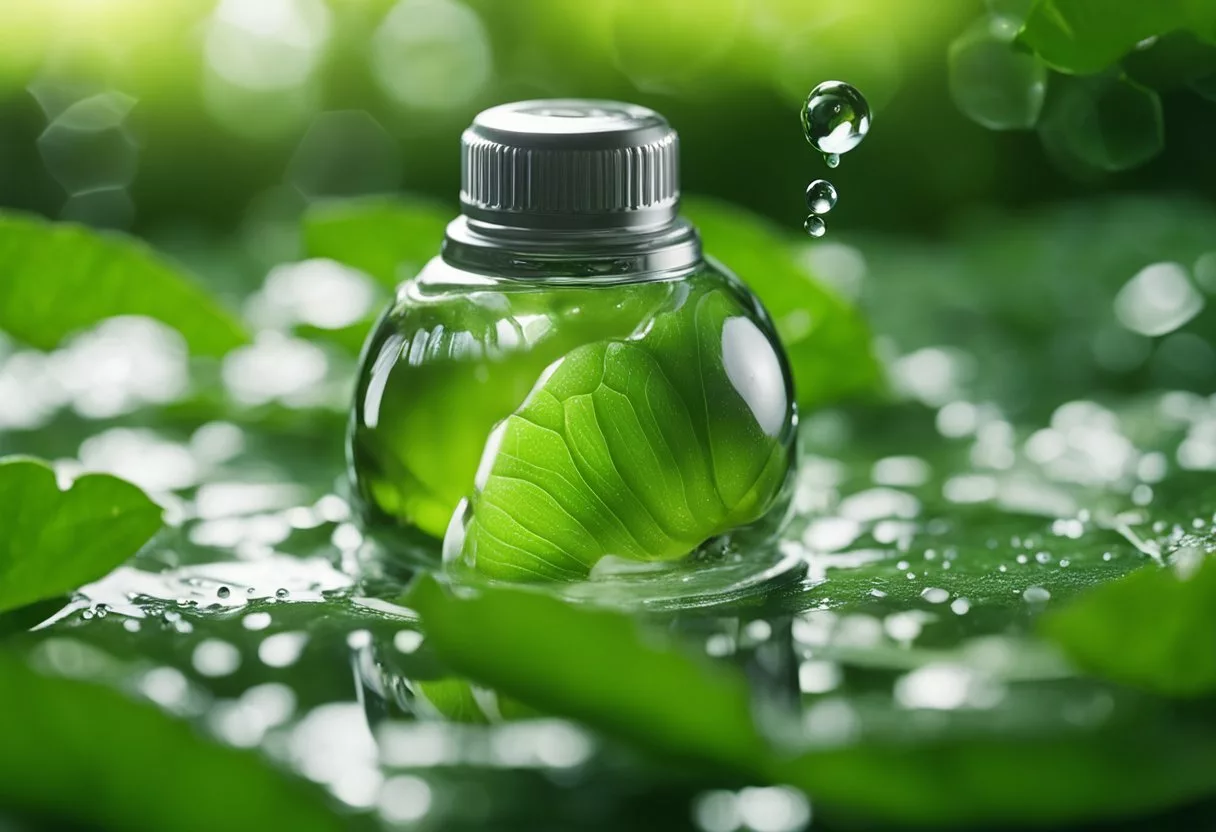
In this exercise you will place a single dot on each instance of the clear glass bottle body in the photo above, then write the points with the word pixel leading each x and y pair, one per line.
pixel 530 416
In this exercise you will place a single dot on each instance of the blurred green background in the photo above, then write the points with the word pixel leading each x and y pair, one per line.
pixel 1034 252
pixel 221 113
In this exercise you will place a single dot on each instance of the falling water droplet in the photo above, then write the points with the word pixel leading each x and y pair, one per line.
pixel 835 118
pixel 820 196
pixel 831 159
pixel 814 226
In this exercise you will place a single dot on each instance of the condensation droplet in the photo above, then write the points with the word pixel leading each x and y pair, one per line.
pixel 223 592
pixel 1036 595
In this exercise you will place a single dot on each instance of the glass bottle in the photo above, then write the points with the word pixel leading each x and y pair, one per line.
pixel 570 387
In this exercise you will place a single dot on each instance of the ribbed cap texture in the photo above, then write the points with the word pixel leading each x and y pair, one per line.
pixel 573 163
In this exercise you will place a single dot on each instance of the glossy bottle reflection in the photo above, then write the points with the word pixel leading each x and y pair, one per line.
pixel 571 381
pixel 632 419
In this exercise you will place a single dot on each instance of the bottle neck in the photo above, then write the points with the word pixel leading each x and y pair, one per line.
pixel 571 256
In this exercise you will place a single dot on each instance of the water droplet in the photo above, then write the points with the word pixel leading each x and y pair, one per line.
pixel 1036 595
pixel 820 196
pixel 1023 559
pixel 281 592
pixel 1043 557
pixel 101 610
pixel 935 595
pixel 223 592
pixel 814 226
pixel 960 606
pixel 835 118
pixel 831 159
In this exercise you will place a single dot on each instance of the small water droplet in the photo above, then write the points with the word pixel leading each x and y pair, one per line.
pixel 1107 556
pixel 821 196
pixel 101 610
pixel 223 592
pixel 935 595
pixel 1036 595
pixel 1043 557
pixel 87 615
pixel 1023 559
pixel 814 226
pixel 281 592
pixel 960 606
pixel 832 160
pixel 1064 563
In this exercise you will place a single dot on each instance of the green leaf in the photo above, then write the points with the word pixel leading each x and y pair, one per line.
pixel 53 541
pixel 642 449
pixel 389 239
pixel 58 278
pixel 82 752
pixel 828 343
pixel 1154 629
pixel 649 693
pixel 1087 36
pixel 956 768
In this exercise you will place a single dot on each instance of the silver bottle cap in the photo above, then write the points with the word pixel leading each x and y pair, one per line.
pixel 570 164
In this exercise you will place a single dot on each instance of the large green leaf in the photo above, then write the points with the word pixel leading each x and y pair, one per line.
pixel 81 752
pixel 389 239
pixel 827 341
pixel 593 665
pixel 950 769
pixel 1155 629
pixel 53 541
pixel 1087 36
pixel 641 449
pixel 57 278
